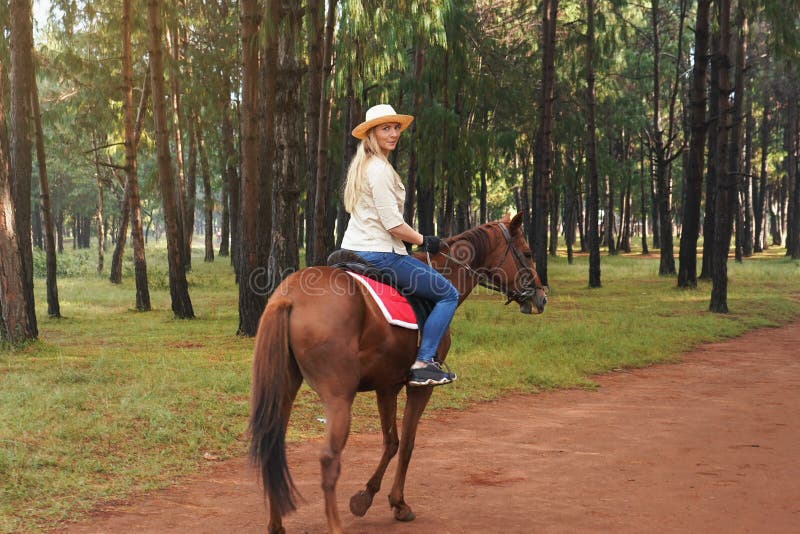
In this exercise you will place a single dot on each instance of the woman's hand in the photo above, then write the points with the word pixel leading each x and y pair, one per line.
pixel 430 244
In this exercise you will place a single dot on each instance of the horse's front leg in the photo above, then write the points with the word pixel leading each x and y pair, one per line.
pixel 418 398
pixel 387 407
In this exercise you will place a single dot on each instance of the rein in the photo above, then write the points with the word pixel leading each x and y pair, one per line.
pixel 486 281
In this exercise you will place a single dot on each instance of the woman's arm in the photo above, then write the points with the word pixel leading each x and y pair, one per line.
pixel 405 233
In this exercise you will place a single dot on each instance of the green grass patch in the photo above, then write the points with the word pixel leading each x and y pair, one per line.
pixel 112 402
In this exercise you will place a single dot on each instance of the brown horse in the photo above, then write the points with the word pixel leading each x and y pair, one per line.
pixel 321 326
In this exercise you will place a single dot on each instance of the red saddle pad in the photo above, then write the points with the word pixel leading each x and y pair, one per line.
pixel 394 306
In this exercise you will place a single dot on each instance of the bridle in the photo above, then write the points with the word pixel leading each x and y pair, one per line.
pixel 513 295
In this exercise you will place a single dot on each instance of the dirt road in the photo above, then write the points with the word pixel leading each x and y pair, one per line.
pixel 708 445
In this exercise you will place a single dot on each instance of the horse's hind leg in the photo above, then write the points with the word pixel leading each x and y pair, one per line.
pixel 337 411
pixel 387 407
pixel 418 398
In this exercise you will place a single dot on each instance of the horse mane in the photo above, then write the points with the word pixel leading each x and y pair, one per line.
pixel 480 238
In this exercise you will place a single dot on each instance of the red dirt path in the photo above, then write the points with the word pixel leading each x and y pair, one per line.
pixel 708 445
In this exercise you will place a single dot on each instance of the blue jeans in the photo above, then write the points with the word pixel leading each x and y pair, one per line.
pixel 412 277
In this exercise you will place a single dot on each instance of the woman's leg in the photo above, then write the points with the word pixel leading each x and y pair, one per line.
pixel 414 277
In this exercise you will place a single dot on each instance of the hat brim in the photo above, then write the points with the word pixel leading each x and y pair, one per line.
pixel 360 131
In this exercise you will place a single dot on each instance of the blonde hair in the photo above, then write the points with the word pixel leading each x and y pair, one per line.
pixel 356 182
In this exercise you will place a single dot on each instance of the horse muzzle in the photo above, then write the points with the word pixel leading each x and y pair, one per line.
pixel 537 303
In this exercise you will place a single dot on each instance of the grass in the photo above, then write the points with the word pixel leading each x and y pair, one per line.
pixel 110 402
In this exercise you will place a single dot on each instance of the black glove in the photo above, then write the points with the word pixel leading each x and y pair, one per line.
pixel 430 244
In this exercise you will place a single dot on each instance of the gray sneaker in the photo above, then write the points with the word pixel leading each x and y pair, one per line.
pixel 430 375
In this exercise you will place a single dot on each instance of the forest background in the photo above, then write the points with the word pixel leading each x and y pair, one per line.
pixel 134 133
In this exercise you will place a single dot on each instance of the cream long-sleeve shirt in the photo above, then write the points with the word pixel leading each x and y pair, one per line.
pixel 378 210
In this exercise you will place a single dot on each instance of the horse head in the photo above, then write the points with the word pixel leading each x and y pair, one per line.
pixel 496 255
pixel 516 275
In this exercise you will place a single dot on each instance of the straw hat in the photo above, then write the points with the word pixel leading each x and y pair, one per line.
pixel 381 114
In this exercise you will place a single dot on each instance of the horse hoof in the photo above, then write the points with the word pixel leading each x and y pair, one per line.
pixel 404 513
pixel 360 503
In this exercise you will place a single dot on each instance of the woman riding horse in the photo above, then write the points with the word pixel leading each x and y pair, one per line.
pixel 374 197
pixel 321 326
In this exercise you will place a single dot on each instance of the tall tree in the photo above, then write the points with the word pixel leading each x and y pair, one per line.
pixel 178 285
pixel 792 145
pixel 747 182
pixel 14 320
pixel 21 154
pixel 100 208
pixel 315 22
pixel 712 171
pixel 186 189
pixel 53 305
pixel 593 201
pixel 687 269
pixel 726 180
pixel 323 242
pixel 208 198
pixel 760 197
pixel 252 296
pixel 229 236
pixel 283 253
pixel 133 129
pixel 664 143
pixel 544 137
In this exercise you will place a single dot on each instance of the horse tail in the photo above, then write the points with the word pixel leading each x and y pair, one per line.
pixel 273 366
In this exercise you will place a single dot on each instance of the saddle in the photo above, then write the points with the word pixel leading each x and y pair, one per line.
pixel 348 260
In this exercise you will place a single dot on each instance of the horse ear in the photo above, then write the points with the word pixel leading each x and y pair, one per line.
pixel 516 223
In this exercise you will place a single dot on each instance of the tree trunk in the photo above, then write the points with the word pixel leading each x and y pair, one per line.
pixel 283 254
pixel 127 207
pixel 15 322
pixel 414 139
pixel 323 201
pixel 190 201
pixel 793 179
pixel 591 153
pixel 736 142
pixel 53 306
pixel 178 285
pixel 687 267
pixel 21 154
pixel 624 242
pixel 761 197
pixel 544 146
pixel 747 182
pixel 315 16
pixel 709 221
pixel 351 115
pixel 208 198
pixel 655 215
pixel 225 214
pixel 36 227
pixel 661 149
pixel 555 213
pixel 99 214
pixel 610 220
pixel 570 210
pixel 132 135
pixel 60 232
pixel 231 210
pixel 252 296
pixel 643 199
pixel 133 129
pixel 185 193
pixel 726 181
